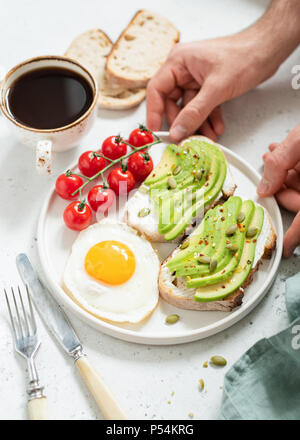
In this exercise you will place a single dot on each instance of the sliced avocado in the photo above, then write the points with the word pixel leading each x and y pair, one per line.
pixel 168 160
pixel 223 289
pixel 197 242
pixel 198 169
pixel 224 217
pixel 205 195
pixel 238 239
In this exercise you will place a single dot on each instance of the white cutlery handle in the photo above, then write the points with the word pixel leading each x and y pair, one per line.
pixel 105 400
pixel 38 409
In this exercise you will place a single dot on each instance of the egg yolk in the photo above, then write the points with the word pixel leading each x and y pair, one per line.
pixel 110 261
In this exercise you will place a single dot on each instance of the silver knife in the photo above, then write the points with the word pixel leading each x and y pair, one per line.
pixel 59 325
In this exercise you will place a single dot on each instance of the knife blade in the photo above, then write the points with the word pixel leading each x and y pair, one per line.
pixel 52 314
pixel 57 322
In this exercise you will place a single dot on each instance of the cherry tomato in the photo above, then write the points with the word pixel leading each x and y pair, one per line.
pixel 101 199
pixel 66 184
pixel 140 164
pixel 121 182
pixel 77 216
pixel 113 147
pixel 140 136
pixel 90 163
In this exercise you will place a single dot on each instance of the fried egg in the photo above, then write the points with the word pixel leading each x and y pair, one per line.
pixel 113 273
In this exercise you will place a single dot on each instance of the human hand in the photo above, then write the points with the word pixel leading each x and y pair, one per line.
pixel 204 74
pixel 282 177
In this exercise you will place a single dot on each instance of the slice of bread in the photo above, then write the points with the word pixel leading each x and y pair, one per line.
pixel 149 225
pixel 174 291
pixel 91 50
pixel 141 49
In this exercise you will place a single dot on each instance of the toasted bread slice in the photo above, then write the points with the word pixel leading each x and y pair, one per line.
pixel 148 225
pixel 91 50
pixel 175 292
pixel 141 49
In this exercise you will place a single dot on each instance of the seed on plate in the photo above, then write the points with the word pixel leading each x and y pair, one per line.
pixel 232 247
pixel 220 361
pixel 172 182
pixel 231 230
pixel 177 170
pixel 251 231
pixel 241 217
pixel 205 364
pixel 213 264
pixel 185 244
pixel 144 212
pixel 172 319
pixel 204 259
pixel 201 384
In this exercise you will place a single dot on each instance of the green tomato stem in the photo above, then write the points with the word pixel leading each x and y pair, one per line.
pixel 114 162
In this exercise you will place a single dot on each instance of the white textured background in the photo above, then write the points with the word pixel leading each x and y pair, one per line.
pixel 142 377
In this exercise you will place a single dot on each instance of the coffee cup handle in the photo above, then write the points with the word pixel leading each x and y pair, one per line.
pixel 44 156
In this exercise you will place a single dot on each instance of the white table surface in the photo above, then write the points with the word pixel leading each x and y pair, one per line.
pixel 142 377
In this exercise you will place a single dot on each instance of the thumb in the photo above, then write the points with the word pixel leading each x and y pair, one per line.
pixel 292 237
pixel 278 162
pixel 195 112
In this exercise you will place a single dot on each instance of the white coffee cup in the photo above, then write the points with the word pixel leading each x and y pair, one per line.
pixel 48 141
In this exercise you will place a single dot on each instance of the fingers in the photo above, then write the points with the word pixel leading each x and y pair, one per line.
pixel 292 237
pixel 293 180
pixel 188 95
pixel 207 130
pixel 171 110
pixel 289 199
pixel 278 162
pixel 216 121
pixel 160 86
pixel 171 75
pixel 195 112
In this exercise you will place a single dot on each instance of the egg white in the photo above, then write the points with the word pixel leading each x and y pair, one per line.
pixel 130 302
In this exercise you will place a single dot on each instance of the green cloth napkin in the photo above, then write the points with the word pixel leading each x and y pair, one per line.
pixel 264 384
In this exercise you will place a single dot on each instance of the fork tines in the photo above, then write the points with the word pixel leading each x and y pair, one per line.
pixel 22 321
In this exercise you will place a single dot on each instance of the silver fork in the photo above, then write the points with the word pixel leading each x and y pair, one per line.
pixel 27 343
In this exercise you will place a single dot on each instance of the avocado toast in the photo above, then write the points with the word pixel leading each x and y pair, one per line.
pixel 212 267
pixel 191 178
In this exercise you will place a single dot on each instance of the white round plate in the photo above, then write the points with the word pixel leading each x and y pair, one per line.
pixel 55 241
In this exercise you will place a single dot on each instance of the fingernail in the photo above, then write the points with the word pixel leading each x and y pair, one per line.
pixel 178 132
pixel 263 187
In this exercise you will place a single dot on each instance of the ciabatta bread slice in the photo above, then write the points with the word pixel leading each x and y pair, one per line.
pixel 148 225
pixel 141 49
pixel 91 50
pixel 174 291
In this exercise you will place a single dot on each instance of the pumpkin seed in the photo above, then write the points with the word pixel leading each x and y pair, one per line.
pixel 185 244
pixel 198 174
pixel 232 247
pixel 171 319
pixel 220 361
pixel 204 259
pixel 231 230
pixel 201 384
pixel 251 231
pixel 172 182
pixel 240 217
pixel 176 170
pixel 144 212
pixel 144 189
pixel 213 264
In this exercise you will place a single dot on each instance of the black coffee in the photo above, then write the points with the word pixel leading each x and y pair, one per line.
pixel 49 98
